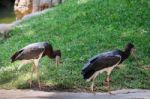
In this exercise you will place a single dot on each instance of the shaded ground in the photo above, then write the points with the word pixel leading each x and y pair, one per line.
pixel 32 94
pixel 7 11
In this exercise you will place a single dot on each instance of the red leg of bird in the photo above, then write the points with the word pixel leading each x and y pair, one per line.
pixel 107 80
pixel 108 83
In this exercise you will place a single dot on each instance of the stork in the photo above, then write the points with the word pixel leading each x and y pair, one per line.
pixel 105 62
pixel 32 53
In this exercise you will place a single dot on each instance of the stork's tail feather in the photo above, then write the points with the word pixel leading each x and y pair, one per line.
pixel 13 57
pixel 87 74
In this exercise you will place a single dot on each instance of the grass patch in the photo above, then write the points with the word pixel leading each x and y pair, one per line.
pixel 81 29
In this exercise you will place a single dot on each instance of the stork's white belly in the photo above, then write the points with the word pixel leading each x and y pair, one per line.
pixel 108 70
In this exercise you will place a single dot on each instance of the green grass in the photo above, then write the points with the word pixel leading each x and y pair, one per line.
pixel 82 29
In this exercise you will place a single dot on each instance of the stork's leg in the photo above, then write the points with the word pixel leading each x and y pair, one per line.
pixel 19 67
pixel 108 79
pixel 33 69
pixel 57 60
pixel 92 85
pixel 107 82
pixel 93 80
pixel 31 77
pixel 38 76
pixel 36 62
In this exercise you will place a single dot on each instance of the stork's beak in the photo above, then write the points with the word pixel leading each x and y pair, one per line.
pixel 57 60
pixel 133 51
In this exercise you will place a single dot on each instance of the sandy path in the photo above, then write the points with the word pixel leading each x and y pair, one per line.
pixel 32 94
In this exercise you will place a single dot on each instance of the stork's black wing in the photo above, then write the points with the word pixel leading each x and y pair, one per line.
pixel 28 53
pixel 98 63
pixel 104 62
pixel 31 51
pixel 13 57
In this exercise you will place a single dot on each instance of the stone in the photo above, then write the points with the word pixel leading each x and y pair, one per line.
pixel 4 30
pixel 39 5
pixel 22 8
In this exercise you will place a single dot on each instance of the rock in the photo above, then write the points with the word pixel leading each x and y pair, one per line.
pixel 35 14
pixel 22 8
pixel 56 2
pixel 4 30
pixel 45 4
pixel 35 5
pixel 39 5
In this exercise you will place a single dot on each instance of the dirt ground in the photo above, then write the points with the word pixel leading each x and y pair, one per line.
pixel 35 94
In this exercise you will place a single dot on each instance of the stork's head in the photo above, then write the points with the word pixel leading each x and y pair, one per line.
pixel 57 56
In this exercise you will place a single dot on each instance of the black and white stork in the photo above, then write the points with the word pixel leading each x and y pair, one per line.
pixel 32 53
pixel 105 62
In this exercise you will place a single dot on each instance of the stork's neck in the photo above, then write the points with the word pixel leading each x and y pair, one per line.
pixel 53 55
pixel 49 51
pixel 126 53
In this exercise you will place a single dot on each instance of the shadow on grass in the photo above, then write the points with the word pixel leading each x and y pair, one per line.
pixel 47 88
pixel 61 87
